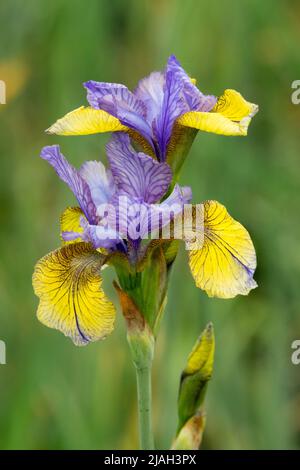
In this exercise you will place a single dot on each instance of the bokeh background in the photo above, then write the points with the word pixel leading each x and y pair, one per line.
pixel 56 396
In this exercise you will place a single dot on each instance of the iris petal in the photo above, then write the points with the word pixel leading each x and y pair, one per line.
pixel 74 180
pixel 75 228
pixel 230 116
pixel 193 98
pixel 225 264
pixel 151 91
pixel 215 123
pixel 100 181
pixel 172 107
pixel 233 106
pixel 84 121
pixel 70 224
pixel 118 101
pixel 68 283
pixel 137 174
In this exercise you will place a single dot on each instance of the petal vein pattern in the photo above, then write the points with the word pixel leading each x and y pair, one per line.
pixel 68 283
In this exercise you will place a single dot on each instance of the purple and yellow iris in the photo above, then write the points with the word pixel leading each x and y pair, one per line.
pixel 159 113
pixel 155 118
pixel 133 179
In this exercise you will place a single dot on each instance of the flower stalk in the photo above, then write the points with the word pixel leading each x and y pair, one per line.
pixel 141 343
pixel 144 392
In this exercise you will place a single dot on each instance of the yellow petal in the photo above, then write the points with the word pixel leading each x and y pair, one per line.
pixel 68 283
pixel 213 122
pixel 83 121
pixel 233 106
pixel 230 116
pixel 70 222
pixel 225 265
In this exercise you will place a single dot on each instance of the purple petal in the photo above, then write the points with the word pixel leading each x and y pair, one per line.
pixel 132 217
pixel 135 219
pixel 171 207
pixel 68 236
pixel 120 102
pixel 180 195
pixel 150 90
pixel 108 93
pixel 195 100
pixel 100 181
pixel 104 237
pixel 173 106
pixel 137 174
pixel 73 179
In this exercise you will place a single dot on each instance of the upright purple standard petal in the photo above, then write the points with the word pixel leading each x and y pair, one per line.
pixel 194 99
pixel 173 106
pixel 73 179
pixel 117 100
pixel 100 181
pixel 150 90
pixel 180 96
pixel 137 174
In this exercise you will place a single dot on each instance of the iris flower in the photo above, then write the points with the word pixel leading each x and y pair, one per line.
pixel 129 217
pixel 162 115
pixel 68 280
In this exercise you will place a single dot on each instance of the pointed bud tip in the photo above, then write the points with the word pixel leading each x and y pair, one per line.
pixel 202 355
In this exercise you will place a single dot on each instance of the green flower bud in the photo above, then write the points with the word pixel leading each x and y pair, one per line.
pixel 195 377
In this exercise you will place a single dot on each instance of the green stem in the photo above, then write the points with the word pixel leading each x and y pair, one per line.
pixel 143 376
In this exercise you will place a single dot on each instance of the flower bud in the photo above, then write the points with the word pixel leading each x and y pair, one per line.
pixel 195 377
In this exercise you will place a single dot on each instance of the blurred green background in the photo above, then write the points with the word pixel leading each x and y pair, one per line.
pixel 54 395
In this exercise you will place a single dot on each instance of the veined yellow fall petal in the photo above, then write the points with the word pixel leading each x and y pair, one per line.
pixel 214 122
pixel 68 283
pixel 230 116
pixel 233 106
pixel 84 121
pixel 225 265
pixel 70 222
